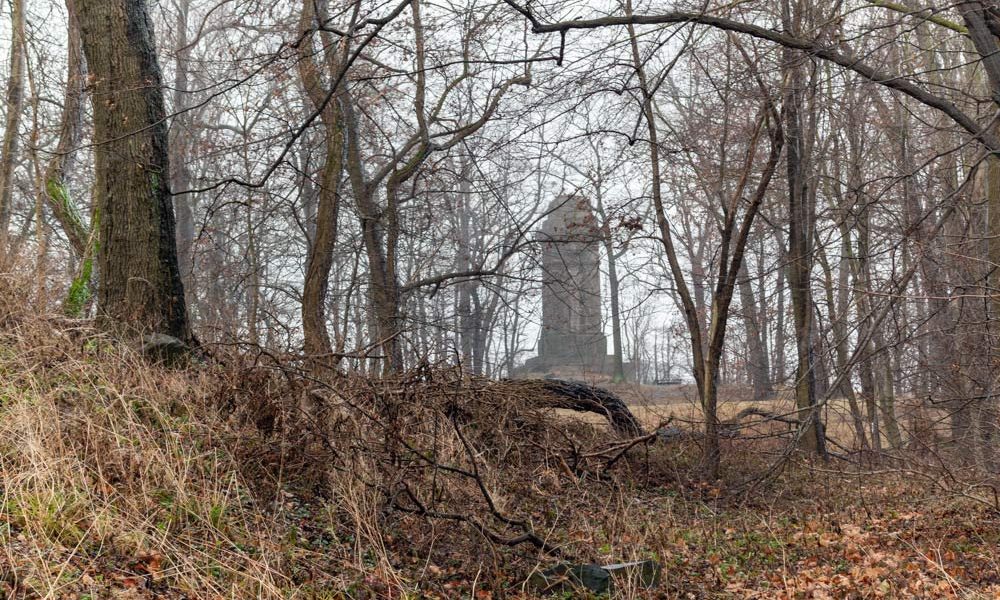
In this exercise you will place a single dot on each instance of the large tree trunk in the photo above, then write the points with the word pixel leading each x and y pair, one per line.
pixel 986 416
pixel 383 292
pixel 320 260
pixel 801 217
pixel 140 288
pixel 982 20
pixel 15 102
pixel 838 309
pixel 799 270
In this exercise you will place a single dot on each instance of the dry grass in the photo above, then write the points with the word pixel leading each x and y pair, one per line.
pixel 125 480
pixel 114 471
pixel 120 478
pixel 654 404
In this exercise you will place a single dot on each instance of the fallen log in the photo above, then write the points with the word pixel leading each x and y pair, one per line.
pixel 581 397
pixel 736 423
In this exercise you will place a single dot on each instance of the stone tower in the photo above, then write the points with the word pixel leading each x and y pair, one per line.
pixel 571 334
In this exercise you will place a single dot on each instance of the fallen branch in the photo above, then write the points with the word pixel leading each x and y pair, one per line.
pixel 558 393
pixel 765 415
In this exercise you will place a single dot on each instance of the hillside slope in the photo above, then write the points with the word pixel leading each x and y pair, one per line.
pixel 121 479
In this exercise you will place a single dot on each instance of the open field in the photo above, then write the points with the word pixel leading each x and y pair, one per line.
pixel 654 405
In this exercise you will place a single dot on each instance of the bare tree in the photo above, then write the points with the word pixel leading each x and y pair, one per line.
pixel 15 105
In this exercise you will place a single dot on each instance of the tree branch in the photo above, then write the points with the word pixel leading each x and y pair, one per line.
pixel 810 47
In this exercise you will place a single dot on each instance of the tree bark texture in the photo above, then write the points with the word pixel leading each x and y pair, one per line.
pixel 140 288
pixel 15 103
pixel 320 260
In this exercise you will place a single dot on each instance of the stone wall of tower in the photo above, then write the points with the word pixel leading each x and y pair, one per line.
pixel 572 333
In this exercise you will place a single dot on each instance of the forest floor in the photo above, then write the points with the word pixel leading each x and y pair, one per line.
pixel 823 536
pixel 121 480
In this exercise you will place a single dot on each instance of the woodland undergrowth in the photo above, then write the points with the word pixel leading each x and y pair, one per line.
pixel 246 476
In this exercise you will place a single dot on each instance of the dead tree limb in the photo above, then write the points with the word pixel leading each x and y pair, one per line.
pixel 765 416
pixel 558 393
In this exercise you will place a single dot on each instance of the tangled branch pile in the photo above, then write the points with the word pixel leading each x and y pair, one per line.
pixel 438 444
pixel 254 479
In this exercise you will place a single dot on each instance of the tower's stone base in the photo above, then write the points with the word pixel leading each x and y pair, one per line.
pixel 598 370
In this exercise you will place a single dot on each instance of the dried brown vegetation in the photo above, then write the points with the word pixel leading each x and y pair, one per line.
pixel 247 478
